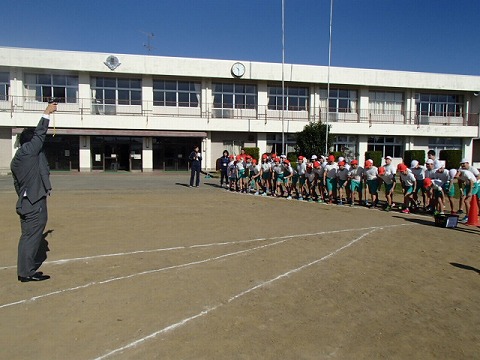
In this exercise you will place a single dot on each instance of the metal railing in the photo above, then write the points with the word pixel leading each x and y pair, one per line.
pixel 18 104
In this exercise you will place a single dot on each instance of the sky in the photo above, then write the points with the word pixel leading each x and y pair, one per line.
pixel 438 36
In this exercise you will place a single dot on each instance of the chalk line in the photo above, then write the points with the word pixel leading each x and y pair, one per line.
pixel 101 256
pixel 280 238
pixel 233 298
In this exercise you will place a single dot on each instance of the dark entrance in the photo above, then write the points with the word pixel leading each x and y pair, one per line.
pixel 171 153
pixel 113 153
pixel 62 152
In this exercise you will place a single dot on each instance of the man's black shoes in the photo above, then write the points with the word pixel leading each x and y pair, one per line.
pixel 38 276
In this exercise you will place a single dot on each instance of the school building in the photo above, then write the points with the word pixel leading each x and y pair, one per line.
pixel 145 113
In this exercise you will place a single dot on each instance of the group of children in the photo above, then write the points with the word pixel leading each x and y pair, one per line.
pixel 326 179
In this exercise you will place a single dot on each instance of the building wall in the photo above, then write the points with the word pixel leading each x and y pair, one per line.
pixel 251 130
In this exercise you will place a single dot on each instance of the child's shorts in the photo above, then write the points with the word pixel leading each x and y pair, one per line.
pixel 331 184
pixel 419 186
pixel 408 190
pixel 372 186
pixel 295 179
pixel 447 190
pixel 341 183
pixel 356 185
pixel 242 174
pixel 388 188
pixel 474 190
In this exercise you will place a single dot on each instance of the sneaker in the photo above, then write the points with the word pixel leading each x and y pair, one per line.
pixel 352 204
pixel 340 203
pixel 264 194
pixel 388 208
pixel 441 213
pixel 300 198
pixel 256 193
pixel 289 197
pixel 460 212
pixel 310 200
pixel 464 220
pixel 406 211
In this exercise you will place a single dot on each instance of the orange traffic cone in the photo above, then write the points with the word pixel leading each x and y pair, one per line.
pixel 473 212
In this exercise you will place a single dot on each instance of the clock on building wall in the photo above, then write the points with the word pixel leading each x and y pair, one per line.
pixel 238 69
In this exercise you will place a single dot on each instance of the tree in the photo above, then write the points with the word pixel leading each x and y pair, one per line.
pixel 311 140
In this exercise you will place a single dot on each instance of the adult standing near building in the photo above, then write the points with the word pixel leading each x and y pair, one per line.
pixel 196 166
pixel 31 180
pixel 224 160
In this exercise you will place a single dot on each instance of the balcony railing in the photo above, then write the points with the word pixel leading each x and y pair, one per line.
pixel 261 112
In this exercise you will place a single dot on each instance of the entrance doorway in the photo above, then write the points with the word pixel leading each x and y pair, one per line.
pixel 62 152
pixel 116 153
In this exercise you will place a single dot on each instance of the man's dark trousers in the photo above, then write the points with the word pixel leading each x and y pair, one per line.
pixel 32 221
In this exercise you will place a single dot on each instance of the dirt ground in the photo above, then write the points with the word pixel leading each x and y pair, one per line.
pixel 144 267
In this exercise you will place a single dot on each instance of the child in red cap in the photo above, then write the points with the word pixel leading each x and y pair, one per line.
pixel 342 177
pixel 408 183
pixel 266 175
pixel 371 176
pixel 438 196
pixel 388 178
pixel 355 176
pixel 330 178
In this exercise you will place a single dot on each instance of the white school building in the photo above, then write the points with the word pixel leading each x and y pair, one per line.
pixel 145 113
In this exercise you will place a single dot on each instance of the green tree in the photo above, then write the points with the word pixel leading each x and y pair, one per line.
pixel 311 140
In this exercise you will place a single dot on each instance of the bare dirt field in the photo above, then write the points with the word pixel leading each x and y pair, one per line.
pixel 144 267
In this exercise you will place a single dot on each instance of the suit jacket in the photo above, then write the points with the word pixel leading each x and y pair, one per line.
pixel 30 167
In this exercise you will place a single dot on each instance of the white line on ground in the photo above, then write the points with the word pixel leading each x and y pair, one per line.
pixel 210 309
pixel 93 257
pixel 280 238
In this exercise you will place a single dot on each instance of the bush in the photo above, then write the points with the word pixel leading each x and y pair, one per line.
pixel 452 158
pixel 376 156
pixel 254 152
pixel 337 154
pixel 409 155
pixel 292 156
pixel 311 140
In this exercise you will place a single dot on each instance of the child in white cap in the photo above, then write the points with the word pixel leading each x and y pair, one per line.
pixel 419 173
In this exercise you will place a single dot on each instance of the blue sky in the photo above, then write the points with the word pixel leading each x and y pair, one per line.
pixel 440 36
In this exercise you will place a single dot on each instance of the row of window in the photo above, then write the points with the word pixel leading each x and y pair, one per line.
pixel 128 91
pixel 348 144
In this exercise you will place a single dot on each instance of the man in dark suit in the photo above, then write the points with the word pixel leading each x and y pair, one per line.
pixel 32 184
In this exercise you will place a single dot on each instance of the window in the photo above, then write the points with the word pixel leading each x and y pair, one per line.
pixel 384 102
pixel 176 93
pixel 388 145
pixel 439 105
pixel 238 96
pixel 342 101
pixel 441 143
pixel 4 85
pixel 296 98
pixel 42 87
pixel 347 145
pixel 117 91
pixel 274 143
